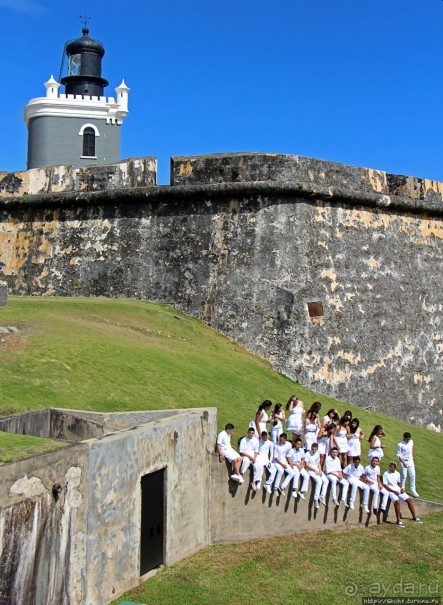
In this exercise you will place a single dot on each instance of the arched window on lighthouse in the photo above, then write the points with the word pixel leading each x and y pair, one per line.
pixel 89 132
pixel 89 142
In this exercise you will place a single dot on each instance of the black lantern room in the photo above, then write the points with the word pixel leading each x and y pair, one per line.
pixel 84 66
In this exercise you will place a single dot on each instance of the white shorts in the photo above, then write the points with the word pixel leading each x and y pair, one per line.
pixel 230 454
pixel 395 497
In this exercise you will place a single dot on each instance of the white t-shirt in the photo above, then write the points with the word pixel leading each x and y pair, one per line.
pixel 352 472
pixel 266 449
pixel 392 480
pixel 372 472
pixel 282 451
pixel 404 451
pixel 313 459
pixel 296 456
pixel 224 440
pixel 332 465
pixel 248 446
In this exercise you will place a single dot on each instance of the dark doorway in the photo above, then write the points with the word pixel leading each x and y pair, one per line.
pixel 152 533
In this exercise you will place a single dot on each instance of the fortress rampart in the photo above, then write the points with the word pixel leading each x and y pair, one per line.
pixel 331 272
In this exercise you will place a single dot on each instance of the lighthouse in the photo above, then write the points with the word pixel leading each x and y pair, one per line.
pixel 81 125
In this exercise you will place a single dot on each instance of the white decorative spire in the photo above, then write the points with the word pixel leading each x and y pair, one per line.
pixel 122 97
pixel 52 87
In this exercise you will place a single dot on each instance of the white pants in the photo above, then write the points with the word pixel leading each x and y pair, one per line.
pixel 280 471
pixel 245 464
pixel 373 487
pixel 305 481
pixel 391 496
pixel 404 472
pixel 333 480
pixel 260 464
pixel 321 484
pixel 356 483
pixel 275 434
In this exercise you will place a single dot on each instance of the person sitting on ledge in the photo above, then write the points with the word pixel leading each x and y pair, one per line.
pixel 225 450
pixel 393 490
pixel 335 475
pixel 355 474
pixel 248 448
pixel 296 460
pixel 312 464
pixel 281 453
pixel 372 478
pixel 264 460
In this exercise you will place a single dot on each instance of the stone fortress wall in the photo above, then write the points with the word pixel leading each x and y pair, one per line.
pixel 331 272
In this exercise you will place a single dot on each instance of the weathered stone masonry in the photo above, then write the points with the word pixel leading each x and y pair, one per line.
pixel 331 272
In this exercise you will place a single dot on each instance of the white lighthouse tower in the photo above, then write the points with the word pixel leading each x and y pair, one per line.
pixel 80 126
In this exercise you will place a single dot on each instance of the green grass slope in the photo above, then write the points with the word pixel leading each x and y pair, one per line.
pixel 114 355
pixel 329 567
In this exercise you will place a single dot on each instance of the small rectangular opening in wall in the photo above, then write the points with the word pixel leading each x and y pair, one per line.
pixel 315 309
pixel 152 521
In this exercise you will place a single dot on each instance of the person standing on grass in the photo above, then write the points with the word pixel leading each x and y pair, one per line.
pixel 261 418
pixel 405 453
pixel 354 473
pixel 296 460
pixel 355 438
pixel 248 448
pixel 264 461
pixel 296 411
pixel 276 422
pixel 393 490
pixel 341 439
pixel 372 478
pixel 376 447
pixel 335 475
pixel 225 450
pixel 312 427
pixel 312 464
pixel 281 452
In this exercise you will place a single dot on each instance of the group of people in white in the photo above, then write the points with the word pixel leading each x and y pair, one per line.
pixel 327 451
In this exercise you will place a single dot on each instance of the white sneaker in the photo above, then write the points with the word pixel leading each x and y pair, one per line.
pixel 294 493
pixel 316 504
pixel 258 484
pixel 345 503
pixel 267 488
pixel 415 495
pixel 301 495
pixel 253 486
pixel 236 478
pixel 419 521
pixel 351 505
pixel 400 524
pixel 282 492
pixel 365 508
pixel 335 503
pixel 322 500
pixel 241 480
pixel 276 492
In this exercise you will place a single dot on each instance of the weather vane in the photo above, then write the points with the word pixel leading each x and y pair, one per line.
pixel 85 20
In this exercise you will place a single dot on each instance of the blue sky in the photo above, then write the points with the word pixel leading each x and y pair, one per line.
pixel 352 81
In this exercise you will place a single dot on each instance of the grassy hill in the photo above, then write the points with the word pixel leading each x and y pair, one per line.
pixel 108 355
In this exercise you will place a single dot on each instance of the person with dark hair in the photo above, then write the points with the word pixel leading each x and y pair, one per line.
pixel 314 409
pixel 248 448
pixel 264 461
pixel 355 438
pixel 331 416
pixel 376 447
pixel 354 473
pixel 348 415
pixel 405 454
pixel 335 475
pixel 296 460
pixel 294 422
pixel 341 439
pixel 312 464
pixel 372 479
pixel 393 490
pixel 311 429
pixel 225 450
pixel 261 418
pixel 276 420
pixel 281 452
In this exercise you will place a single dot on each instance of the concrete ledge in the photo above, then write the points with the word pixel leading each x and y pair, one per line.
pixel 240 514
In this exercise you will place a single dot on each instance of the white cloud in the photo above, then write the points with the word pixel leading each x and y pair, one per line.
pixel 23 6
